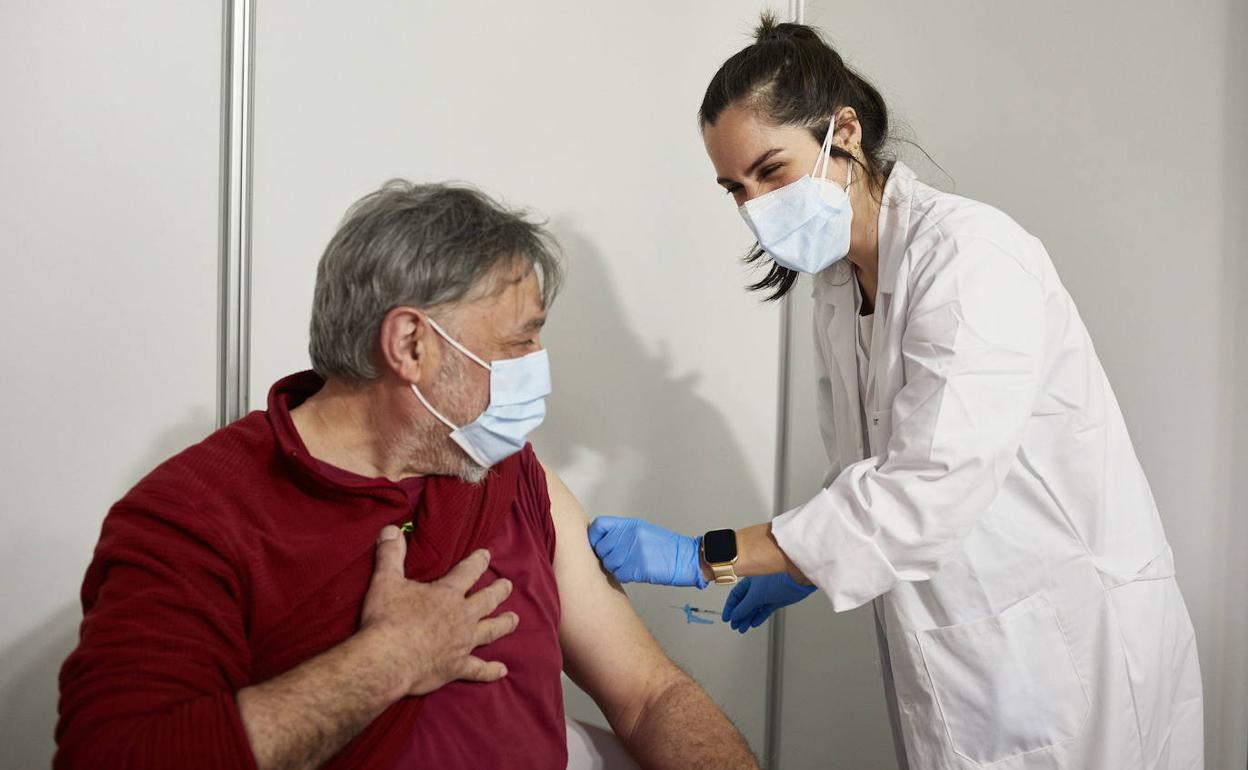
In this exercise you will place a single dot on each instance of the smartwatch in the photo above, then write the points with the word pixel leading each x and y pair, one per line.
pixel 719 549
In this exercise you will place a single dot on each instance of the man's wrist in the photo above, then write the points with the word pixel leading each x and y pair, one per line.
pixel 375 653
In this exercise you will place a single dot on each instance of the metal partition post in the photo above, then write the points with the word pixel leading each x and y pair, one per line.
pixel 237 53
pixel 775 639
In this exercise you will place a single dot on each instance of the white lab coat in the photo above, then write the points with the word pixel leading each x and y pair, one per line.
pixel 1027 600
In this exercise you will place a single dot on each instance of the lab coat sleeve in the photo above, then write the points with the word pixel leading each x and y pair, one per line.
pixel 972 352
pixel 824 393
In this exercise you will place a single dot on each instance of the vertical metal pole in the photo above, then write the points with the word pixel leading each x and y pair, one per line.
pixel 234 302
pixel 775 639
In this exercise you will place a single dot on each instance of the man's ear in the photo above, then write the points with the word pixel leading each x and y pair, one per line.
pixel 404 342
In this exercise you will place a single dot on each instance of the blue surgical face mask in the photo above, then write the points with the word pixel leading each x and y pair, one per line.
pixel 804 225
pixel 518 390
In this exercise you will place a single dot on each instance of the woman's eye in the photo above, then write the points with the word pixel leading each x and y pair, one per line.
pixel 769 171
pixel 732 190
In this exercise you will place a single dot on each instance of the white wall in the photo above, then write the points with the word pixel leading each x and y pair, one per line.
pixel 1117 139
pixel 664 369
pixel 108 297
pixel 1113 132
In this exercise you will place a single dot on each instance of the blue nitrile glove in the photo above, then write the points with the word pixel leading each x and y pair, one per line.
pixel 754 599
pixel 637 551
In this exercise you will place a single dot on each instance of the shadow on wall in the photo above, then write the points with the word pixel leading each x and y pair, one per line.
pixel 29 667
pixel 657 449
pixel 633 438
pixel 28 671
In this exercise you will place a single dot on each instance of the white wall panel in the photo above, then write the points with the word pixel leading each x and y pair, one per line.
pixel 1113 132
pixel 665 370
pixel 108 205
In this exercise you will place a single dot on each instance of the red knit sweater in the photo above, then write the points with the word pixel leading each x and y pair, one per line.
pixel 243 556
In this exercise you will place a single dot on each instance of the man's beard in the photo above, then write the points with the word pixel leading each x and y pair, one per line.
pixel 432 438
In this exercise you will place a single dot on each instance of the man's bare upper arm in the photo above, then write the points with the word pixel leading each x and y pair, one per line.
pixel 607 650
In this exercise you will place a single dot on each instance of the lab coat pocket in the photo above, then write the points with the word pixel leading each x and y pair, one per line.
pixel 1005 685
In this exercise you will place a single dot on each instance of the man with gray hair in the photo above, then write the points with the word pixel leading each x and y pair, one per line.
pixel 377 571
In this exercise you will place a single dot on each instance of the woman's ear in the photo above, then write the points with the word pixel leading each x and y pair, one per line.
pixel 848 134
pixel 403 342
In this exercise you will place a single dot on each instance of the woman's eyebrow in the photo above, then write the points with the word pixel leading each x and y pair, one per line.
pixel 760 160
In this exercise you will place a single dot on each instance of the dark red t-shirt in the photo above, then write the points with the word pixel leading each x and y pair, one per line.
pixel 242 557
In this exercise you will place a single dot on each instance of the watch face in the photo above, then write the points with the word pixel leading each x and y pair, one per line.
pixel 719 546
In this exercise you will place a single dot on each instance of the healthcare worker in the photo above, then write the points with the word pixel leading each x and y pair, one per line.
pixel 981 488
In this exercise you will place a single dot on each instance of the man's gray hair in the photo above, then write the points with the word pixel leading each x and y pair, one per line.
pixel 420 245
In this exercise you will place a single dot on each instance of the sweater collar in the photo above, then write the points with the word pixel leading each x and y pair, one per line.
pixel 288 393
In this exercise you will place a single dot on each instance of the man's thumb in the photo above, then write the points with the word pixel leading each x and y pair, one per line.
pixel 391 549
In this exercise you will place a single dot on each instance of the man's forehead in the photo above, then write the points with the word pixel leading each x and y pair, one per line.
pixel 510 301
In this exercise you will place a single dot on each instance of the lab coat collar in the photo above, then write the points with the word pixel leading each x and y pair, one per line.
pixel 894 223
pixel 892 226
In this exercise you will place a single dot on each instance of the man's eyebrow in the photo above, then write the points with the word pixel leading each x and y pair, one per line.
pixel 760 160
pixel 534 324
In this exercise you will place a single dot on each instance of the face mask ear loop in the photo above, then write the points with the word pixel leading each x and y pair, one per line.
pixel 454 343
pixel 433 411
pixel 824 159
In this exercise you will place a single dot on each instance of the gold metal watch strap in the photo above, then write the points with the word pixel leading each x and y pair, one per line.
pixel 725 574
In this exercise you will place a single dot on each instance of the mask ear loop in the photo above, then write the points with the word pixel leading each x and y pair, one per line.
pixel 458 346
pixel 433 411
pixel 455 343
pixel 824 159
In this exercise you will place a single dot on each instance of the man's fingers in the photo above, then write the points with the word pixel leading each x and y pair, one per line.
pixel 474 669
pixel 391 550
pixel 490 630
pixel 486 600
pixel 465 574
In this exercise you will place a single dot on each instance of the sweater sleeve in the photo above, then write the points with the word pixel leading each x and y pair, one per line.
pixel 534 497
pixel 162 648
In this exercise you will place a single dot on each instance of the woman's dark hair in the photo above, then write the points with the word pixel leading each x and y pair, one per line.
pixel 790 77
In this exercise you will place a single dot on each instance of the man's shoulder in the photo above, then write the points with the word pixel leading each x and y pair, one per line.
pixel 227 457
pixel 533 495
pixel 183 505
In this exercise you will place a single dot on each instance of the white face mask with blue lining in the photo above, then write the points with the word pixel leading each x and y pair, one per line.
pixel 518 390
pixel 805 225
